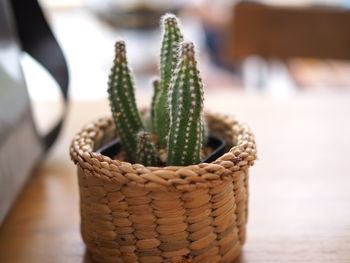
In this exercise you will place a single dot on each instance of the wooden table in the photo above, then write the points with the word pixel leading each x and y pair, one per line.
pixel 299 189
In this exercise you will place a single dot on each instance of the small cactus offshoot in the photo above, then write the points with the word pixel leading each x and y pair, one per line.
pixel 146 151
pixel 178 130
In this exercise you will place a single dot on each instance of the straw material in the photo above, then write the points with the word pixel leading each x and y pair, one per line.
pixel 133 213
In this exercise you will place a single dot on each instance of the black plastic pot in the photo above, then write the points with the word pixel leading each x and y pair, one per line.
pixel 216 143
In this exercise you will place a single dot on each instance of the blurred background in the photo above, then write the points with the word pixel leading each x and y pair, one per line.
pixel 309 62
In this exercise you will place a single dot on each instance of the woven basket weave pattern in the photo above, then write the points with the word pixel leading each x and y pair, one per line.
pixel 133 213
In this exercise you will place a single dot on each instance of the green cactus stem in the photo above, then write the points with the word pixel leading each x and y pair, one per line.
pixel 122 102
pixel 205 132
pixel 186 110
pixel 156 89
pixel 146 152
pixel 169 58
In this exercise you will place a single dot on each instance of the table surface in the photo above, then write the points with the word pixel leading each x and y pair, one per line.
pixel 299 188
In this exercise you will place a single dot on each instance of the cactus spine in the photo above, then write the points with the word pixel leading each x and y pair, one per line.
pixel 169 58
pixel 186 104
pixel 146 152
pixel 122 102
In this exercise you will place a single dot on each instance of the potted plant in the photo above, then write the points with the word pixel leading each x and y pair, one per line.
pixel 146 194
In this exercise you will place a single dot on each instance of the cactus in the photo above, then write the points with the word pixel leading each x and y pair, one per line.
pixel 186 104
pixel 169 58
pixel 146 151
pixel 205 132
pixel 156 89
pixel 122 102
pixel 175 119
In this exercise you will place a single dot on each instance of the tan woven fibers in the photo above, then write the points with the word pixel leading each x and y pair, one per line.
pixel 133 213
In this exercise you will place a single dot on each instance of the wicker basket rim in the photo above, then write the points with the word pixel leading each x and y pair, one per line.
pixel 231 164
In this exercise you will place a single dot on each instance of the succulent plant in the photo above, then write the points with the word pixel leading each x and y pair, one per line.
pixel 122 102
pixel 168 61
pixel 186 104
pixel 178 127
pixel 146 152
pixel 156 89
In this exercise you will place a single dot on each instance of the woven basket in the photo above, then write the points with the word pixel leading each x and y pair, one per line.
pixel 133 213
